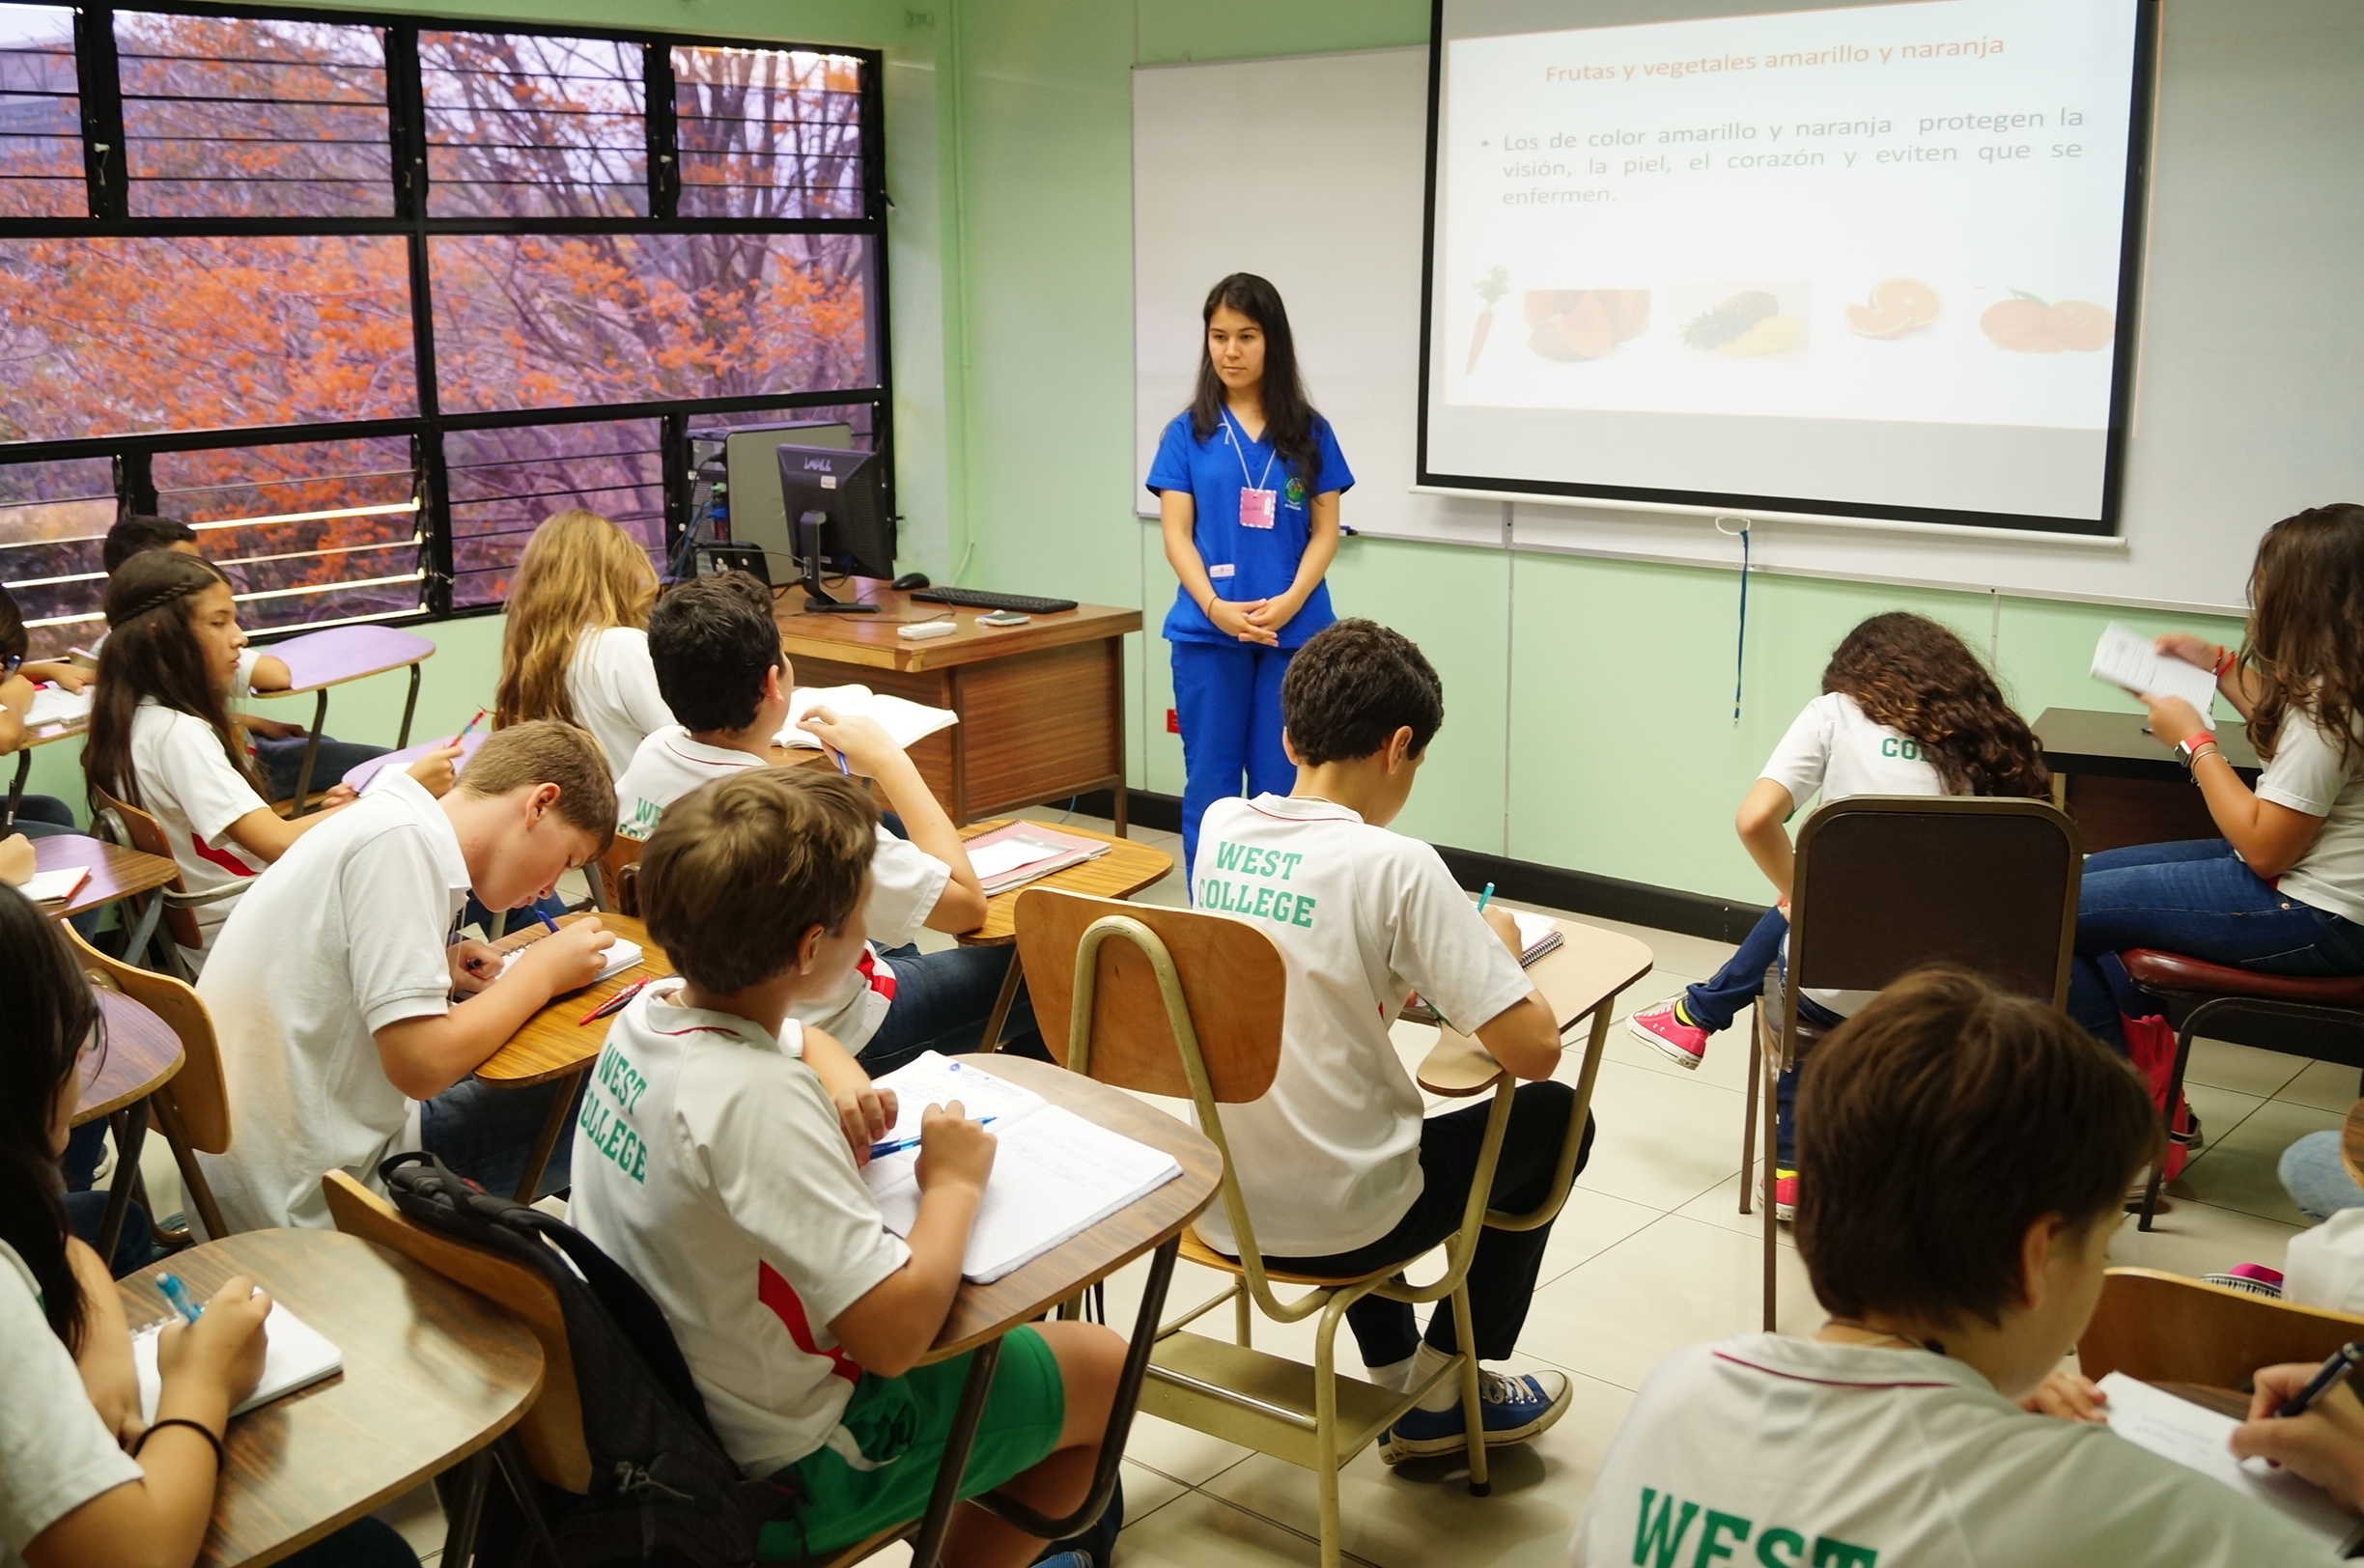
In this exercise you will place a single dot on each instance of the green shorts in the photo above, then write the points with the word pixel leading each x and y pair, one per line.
pixel 902 1426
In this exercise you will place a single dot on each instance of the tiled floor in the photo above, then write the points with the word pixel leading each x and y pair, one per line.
pixel 1649 1255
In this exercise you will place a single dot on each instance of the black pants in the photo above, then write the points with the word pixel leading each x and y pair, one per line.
pixel 1502 1276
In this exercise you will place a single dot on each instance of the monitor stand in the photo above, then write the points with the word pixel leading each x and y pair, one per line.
pixel 819 601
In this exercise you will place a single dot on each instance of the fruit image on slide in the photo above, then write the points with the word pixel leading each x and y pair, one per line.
pixel 2026 324
pixel 1748 323
pixel 1582 323
pixel 1898 306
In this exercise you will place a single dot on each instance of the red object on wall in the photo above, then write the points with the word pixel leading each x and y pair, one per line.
pixel 1173 721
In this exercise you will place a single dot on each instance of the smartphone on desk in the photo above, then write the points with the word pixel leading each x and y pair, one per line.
pixel 1004 618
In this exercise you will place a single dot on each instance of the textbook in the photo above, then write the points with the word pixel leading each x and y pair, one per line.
pixel 2196 1437
pixel 55 705
pixel 55 886
pixel 1055 1174
pixel 1014 855
pixel 2125 658
pixel 905 721
pixel 296 1356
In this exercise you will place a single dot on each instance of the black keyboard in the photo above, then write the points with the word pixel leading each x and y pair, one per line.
pixel 977 599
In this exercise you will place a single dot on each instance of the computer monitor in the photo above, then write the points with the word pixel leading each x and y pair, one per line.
pixel 835 504
pixel 755 517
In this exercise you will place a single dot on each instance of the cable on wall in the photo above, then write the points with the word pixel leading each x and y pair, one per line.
pixel 1740 651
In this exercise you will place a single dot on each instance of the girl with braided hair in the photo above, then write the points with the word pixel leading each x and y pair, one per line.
pixel 1906 708
pixel 161 736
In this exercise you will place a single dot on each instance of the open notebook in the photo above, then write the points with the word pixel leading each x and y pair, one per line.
pixel 1538 935
pixel 55 705
pixel 621 956
pixel 2195 1437
pixel 294 1356
pixel 1055 1175
pixel 1014 855
pixel 906 722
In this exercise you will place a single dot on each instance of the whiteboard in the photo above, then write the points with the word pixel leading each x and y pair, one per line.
pixel 2249 381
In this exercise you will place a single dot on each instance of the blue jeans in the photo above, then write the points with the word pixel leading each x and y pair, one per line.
pixel 2195 897
pixel 941 1002
pixel 486 1134
pixel 1228 698
pixel 1713 1004
pixel 2316 1179
pixel 86 1209
pixel 282 760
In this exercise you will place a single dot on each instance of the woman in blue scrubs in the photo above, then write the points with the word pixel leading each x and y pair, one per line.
pixel 1248 480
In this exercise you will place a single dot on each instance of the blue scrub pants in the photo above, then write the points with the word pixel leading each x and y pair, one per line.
pixel 1227 696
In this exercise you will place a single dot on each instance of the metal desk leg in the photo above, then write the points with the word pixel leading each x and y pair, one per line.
pixel 554 1126
pixel 130 1126
pixel 143 932
pixel 24 771
pixel 1003 1000
pixel 955 1464
pixel 461 1523
pixel 303 775
pixel 410 707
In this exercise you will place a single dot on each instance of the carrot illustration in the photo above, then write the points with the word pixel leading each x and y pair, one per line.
pixel 1496 284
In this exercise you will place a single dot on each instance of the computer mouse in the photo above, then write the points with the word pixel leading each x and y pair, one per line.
pixel 908 581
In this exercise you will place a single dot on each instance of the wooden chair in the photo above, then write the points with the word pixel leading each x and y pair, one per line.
pixel 1185 1004
pixel 128 824
pixel 2164 1327
pixel 1887 884
pixel 193 1109
pixel 616 880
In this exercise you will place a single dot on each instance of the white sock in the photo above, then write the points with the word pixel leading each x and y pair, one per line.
pixel 1396 1375
pixel 1425 1362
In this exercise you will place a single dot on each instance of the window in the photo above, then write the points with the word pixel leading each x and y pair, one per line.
pixel 364 299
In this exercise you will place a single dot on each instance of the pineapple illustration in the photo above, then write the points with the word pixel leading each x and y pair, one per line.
pixel 1712 329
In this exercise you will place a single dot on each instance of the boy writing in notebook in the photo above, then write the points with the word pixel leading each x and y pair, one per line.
pixel 331 983
pixel 1971 1152
pixel 720 668
pixel 717 1160
pixel 1341 1174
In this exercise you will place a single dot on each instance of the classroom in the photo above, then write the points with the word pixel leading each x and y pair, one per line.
pixel 838 781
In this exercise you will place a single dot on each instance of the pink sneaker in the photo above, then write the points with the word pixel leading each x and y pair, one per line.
pixel 1663 1026
pixel 1784 1197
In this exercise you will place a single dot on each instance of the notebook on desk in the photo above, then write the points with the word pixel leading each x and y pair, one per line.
pixel 55 705
pixel 1055 1174
pixel 55 886
pixel 2197 1437
pixel 905 721
pixel 614 959
pixel 1538 935
pixel 1014 855
pixel 296 1356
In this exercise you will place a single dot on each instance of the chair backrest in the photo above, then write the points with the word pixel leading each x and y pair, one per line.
pixel 2165 1327
pixel 1886 884
pixel 198 1090
pixel 552 1430
pixel 620 869
pixel 147 835
pixel 1233 981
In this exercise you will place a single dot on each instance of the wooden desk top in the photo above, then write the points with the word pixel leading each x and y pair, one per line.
pixel 555 1042
pixel 872 639
pixel 2116 745
pixel 983 1313
pixel 1585 971
pixel 115 872
pixel 343 653
pixel 1128 867
pixel 433 1373
pixel 142 1052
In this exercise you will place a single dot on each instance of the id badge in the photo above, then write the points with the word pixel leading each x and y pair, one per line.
pixel 1256 508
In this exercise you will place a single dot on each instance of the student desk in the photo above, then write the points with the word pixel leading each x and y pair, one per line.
pixel 1582 976
pixel 981 1314
pixel 433 1374
pixel 1124 871
pixel 142 1054
pixel 321 659
pixel 34 736
pixel 556 1044
pixel 116 874
pixel 1041 705
pixel 2123 786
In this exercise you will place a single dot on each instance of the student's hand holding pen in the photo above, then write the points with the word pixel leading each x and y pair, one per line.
pixel 438 770
pixel 953 1150
pixel 567 960
pixel 2325 1444
pixel 475 964
pixel 868 750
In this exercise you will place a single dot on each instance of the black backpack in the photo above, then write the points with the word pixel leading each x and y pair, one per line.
pixel 662 1488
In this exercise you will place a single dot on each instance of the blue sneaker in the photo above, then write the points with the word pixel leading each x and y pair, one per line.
pixel 1066 1559
pixel 1515 1409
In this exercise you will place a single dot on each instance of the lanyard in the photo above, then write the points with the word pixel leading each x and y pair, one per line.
pixel 1241 453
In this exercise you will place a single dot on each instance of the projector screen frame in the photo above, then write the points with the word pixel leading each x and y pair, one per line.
pixel 2140 111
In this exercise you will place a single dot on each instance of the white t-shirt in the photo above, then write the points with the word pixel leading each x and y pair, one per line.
pixel 2309 774
pixel 1834 750
pixel 344 936
pixel 613 688
pixel 55 1453
pixel 187 785
pixel 710 1164
pixel 905 880
pixel 1328 1160
pixel 1765 1449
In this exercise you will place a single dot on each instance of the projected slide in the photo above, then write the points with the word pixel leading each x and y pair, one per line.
pixel 1864 259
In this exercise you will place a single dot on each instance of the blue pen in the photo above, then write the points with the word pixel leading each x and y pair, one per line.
pixel 176 1295
pixel 547 921
pixel 878 1151
pixel 1485 897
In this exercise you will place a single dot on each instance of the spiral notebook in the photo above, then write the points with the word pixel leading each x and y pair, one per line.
pixel 296 1356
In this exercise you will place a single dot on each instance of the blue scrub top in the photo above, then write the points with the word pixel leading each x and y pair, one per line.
pixel 1263 561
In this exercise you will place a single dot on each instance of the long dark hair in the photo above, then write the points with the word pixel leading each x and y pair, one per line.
pixel 51 1011
pixel 1288 418
pixel 151 651
pixel 2306 626
pixel 1909 673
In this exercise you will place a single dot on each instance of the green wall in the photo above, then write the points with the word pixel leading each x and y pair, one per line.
pixel 1588 702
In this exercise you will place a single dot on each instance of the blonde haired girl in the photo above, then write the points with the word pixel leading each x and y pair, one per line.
pixel 577 646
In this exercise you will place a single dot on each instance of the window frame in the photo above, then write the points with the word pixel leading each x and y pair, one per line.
pixel 106 181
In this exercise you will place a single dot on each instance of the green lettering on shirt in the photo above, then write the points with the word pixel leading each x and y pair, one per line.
pixel 1833 1554
pixel 1226 856
pixel 1790 1541
pixel 1263 904
pixel 1711 1547
pixel 1654 1547
pixel 606 1128
pixel 1290 868
pixel 1304 913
